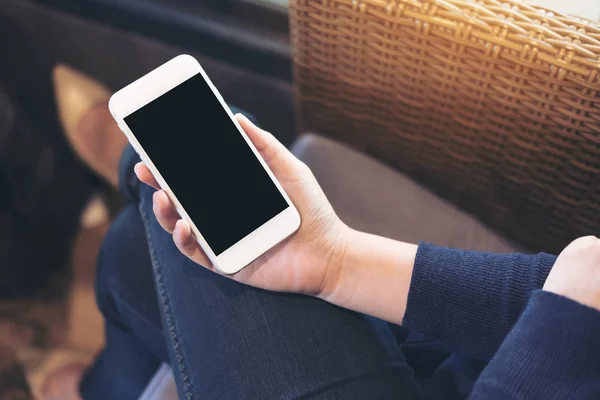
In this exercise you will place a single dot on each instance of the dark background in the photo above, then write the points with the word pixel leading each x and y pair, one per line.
pixel 243 46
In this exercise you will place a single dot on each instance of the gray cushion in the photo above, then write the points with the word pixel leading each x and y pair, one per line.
pixel 372 197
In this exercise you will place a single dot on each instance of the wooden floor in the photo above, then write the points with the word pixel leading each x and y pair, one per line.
pixel 64 320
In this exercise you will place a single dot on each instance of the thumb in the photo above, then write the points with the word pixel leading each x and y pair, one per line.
pixel 279 159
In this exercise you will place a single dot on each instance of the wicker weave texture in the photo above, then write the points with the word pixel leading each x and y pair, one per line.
pixel 495 105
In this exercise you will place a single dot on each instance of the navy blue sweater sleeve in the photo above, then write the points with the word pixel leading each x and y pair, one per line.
pixel 553 352
pixel 468 300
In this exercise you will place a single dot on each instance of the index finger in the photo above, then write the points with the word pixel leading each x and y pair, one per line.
pixel 144 175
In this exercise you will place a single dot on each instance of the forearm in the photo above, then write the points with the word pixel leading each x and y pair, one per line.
pixel 468 300
pixel 553 352
pixel 374 276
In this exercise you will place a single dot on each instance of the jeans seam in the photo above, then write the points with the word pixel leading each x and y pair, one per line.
pixel 164 299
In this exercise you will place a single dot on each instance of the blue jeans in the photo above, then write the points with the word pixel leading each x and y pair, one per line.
pixel 225 340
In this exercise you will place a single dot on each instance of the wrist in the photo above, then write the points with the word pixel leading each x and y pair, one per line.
pixel 372 275
pixel 336 278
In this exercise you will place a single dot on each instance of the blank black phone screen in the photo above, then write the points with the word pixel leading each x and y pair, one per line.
pixel 207 163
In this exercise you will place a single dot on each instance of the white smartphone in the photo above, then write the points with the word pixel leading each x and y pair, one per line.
pixel 186 135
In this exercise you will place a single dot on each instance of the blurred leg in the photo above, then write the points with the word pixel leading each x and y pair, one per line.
pixel 135 345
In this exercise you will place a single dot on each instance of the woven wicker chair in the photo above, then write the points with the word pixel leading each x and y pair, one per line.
pixel 494 105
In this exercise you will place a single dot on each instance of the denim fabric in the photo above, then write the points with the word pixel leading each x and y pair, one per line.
pixel 225 340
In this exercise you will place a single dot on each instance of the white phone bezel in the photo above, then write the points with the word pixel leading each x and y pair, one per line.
pixel 155 84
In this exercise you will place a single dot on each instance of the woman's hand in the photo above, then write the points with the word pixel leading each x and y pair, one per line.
pixel 576 272
pixel 307 262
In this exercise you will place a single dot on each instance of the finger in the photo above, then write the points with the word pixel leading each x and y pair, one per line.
pixel 144 175
pixel 187 244
pixel 164 210
pixel 584 240
pixel 278 158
